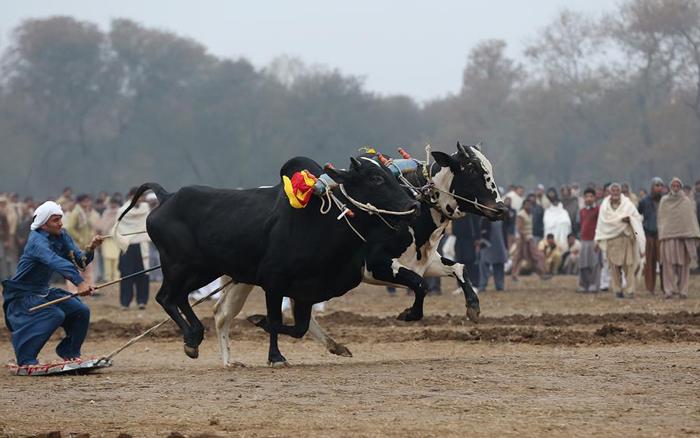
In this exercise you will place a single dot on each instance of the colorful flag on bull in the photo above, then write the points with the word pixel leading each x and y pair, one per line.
pixel 299 188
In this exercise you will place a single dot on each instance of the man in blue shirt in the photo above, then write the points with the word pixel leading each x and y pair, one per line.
pixel 49 249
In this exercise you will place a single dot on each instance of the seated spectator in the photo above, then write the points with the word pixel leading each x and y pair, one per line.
pixel 552 254
pixel 570 258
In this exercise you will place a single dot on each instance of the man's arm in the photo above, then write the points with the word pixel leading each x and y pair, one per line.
pixel 41 252
pixel 88 252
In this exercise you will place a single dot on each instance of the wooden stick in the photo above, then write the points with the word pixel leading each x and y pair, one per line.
pixel 68 297
pixel 109 236
pixel 134 233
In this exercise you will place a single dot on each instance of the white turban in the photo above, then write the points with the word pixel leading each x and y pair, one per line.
pixel 44 212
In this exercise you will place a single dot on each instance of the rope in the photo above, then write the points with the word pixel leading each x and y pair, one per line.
pixel 431 186
pixel 371 209
pixel 134 340
pixel 326 203
pixel 478 205
pixel 344 210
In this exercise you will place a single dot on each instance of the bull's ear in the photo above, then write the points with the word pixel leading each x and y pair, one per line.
pixel 339 176
pixel 355 163
pixel 443 159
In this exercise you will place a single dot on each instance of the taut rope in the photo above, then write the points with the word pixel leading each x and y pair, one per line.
pixel 134 340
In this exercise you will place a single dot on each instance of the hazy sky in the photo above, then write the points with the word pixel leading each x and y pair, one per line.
pixel 410 47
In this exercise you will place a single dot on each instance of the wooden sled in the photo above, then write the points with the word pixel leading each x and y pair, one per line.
pixel 75 367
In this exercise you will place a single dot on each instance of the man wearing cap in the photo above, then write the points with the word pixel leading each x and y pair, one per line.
pixel 49 249
pixel 648 208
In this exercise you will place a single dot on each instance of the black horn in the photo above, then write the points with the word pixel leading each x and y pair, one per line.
pixel 465 151
pixel 355 163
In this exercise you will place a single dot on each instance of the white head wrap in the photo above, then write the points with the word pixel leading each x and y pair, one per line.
pixel 44 212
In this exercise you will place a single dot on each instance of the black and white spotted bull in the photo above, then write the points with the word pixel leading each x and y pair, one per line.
pixel 256 237
pixel 461 183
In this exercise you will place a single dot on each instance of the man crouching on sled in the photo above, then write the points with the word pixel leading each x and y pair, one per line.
pixel 49 249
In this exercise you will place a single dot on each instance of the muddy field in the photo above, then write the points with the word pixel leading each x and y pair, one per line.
pixel 542 361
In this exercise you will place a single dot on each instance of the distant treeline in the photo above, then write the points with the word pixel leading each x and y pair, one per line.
pixel 596 99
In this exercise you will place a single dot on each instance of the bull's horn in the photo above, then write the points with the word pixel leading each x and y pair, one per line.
pixel 465 151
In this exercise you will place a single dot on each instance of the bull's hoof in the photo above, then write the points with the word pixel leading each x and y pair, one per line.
pixel 275 360
pixel 192 352
pixel 473 314
pixel 235 365
pixel 340 350
pixel 258 321
pixel 410 315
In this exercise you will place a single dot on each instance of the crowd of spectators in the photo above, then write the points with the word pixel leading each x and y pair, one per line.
pixel 553 232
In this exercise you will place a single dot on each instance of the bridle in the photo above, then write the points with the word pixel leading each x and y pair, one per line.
pixel 428 191
pixel 328 198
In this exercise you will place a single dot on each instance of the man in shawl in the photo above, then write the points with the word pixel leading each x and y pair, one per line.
pixel 110 250
pixel 620 234
pixel 648 208
pixel 679 234
pixel 134 247
pixel 557 222
pixel 49 249
pixel 589 262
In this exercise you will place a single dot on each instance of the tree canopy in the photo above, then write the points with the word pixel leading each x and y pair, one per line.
pixel 591 99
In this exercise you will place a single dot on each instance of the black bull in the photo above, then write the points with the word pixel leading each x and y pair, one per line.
pixel 256 237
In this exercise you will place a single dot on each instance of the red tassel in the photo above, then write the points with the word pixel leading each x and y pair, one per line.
pixel 382 159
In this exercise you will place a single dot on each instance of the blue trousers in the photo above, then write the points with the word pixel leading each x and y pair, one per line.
pixel 498 275
pixel 31 330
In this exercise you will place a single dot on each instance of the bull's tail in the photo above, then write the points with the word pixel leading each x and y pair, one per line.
pixel 160 192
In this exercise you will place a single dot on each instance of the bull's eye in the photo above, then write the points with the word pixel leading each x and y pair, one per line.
pixel 376 180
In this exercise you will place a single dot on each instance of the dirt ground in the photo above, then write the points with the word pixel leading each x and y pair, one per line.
pixel 542 361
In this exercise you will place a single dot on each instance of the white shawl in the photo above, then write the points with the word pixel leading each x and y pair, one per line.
pixel 558 222
pixel 610 224
pixel 133 222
